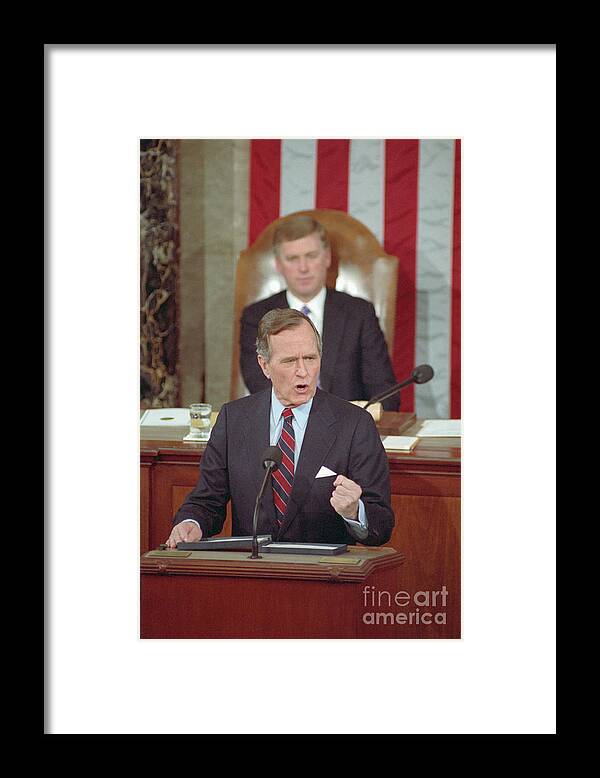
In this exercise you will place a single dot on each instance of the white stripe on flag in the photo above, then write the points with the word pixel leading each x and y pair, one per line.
pixel 366 184
pixel 298 175
pixel 434 275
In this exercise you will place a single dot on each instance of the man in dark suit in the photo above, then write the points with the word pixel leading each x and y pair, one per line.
pixel 356 363
pixel 333 484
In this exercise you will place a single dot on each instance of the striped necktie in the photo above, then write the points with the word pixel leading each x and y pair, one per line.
pixel 283 476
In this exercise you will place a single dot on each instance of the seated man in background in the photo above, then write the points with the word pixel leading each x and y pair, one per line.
pixel 356 363
pixel 333 485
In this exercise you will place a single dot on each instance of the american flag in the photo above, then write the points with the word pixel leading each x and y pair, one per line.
pixel 407 192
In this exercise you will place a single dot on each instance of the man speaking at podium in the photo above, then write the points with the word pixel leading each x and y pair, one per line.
pixel 333 483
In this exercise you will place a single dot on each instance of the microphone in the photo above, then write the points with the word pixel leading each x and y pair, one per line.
pixel 272 457
pixel 271 460
pixel 420 375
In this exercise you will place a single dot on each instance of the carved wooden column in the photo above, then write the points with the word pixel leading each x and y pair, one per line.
pixel 159 255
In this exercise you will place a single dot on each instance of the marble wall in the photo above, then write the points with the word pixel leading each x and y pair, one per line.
pixel 191 276
pixel 213 218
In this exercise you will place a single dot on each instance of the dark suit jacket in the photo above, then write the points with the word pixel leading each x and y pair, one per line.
pixel 338 435
pixel 355 364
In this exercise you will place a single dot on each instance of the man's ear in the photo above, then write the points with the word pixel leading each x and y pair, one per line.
pixel 264 366
pixel 328 257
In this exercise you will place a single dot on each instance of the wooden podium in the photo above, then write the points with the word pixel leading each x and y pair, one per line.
pixel 210 594
pixel 426 500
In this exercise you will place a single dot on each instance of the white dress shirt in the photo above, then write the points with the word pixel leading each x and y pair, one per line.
pixel 316 305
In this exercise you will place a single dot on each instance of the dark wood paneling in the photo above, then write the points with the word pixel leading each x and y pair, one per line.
pixel 145 500
pixel 183 598
pixel 427 532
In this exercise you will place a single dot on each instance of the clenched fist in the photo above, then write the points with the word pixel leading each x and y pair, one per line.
pixel 184 532
pixel 345 497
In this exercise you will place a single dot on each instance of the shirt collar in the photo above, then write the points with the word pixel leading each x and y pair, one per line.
pixel 316 304
pixel 301 412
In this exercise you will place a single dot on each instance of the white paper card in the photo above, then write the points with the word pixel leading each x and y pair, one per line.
pixel 441 428
pixel 398 442
pixel 166 417
pixel 324 471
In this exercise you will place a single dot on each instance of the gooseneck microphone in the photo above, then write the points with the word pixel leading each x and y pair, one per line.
pixel 420 375
pixel 271 459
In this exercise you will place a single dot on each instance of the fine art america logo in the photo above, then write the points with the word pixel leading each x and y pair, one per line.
pixel 423 607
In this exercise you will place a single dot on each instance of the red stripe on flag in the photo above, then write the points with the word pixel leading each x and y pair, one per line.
pixel 455 364
pixel 332 174
pixel 265 177
pixel 401 203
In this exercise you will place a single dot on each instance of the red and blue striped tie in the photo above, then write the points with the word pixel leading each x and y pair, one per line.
pixel 283 476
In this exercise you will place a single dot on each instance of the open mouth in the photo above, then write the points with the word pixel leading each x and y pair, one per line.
pixel 301 388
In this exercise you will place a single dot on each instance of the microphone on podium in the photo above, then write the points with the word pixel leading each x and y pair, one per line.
pixel 271 460
pixel 271 457
pixel 420 375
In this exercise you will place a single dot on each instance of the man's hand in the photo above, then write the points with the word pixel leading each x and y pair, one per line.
pixel 345 497
pixel 184 532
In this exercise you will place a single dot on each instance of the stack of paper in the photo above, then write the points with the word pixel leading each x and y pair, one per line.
pixel 398 442
pixel 165 423
pixel 441 428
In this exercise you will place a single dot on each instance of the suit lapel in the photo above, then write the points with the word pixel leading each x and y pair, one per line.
pixel 321 432
pixel 334 320
pixel 279 301
pixel 255 432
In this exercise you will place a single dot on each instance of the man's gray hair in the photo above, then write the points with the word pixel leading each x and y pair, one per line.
pixel 276 321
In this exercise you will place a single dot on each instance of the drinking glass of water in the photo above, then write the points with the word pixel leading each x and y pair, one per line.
pixel 200 420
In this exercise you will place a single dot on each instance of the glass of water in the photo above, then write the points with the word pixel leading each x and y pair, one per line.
pixel 200 420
